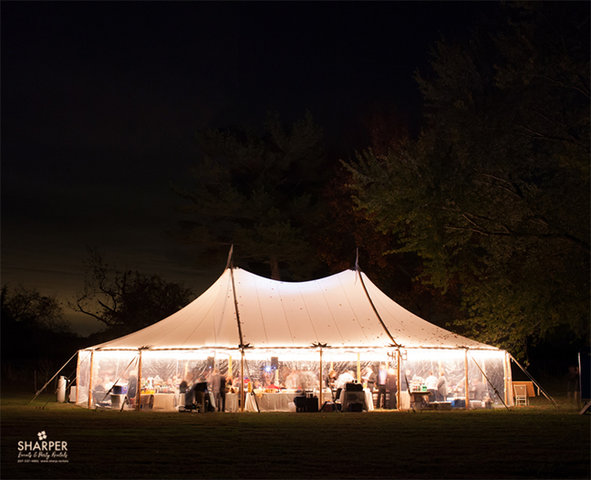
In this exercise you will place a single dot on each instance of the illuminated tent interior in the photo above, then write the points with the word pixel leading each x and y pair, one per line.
pixel 257 332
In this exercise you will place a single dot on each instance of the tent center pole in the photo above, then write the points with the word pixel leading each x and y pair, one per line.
pixel 242 380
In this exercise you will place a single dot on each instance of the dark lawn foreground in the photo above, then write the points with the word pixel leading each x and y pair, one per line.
pixel 531 442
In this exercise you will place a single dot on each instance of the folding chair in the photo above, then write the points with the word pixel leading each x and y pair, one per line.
pixel 520 392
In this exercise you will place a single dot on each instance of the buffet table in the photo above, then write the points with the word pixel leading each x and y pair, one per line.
pixel 164 401
pixel 282 401
pixel 232 402
pixel 270 402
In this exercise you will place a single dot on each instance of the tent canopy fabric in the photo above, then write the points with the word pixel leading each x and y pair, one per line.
pixel 342 310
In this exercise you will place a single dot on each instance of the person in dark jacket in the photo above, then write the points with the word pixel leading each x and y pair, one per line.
pixel 392 388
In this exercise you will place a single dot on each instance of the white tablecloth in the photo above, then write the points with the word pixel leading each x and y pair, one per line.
pixel 164 401
pixel 368 399
pixel 273 402
pixel 232 402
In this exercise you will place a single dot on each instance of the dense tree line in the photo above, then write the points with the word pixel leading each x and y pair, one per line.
pixel 480 222
pixel 485 213
pixel 36 340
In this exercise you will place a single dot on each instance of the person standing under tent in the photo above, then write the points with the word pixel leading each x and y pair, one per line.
pixel 369 378
pixel 341 382
pixel 382 377
pixel 292 380
pixel 218 388
pixel 331 379
pixel 431 383
pixel 392 388
pixel 441 388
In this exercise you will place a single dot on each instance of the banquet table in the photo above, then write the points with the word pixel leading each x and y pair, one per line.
pixel 277 402
pixel 164 401
pixel 232 402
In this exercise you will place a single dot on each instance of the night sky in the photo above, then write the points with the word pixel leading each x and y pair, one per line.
pixel 101 102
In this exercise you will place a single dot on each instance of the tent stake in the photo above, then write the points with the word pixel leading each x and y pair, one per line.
pixel 533 380
pixel 49 381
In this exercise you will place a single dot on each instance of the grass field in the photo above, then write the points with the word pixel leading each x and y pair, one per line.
pixel 533 442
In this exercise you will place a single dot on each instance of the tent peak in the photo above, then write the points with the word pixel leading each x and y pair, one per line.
pixel 229 263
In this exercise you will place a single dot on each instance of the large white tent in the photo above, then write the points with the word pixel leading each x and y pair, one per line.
pixel 244 321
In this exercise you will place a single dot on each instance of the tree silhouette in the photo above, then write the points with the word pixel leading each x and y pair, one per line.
pixel 259 192
pixel 494 194
pixel 125 301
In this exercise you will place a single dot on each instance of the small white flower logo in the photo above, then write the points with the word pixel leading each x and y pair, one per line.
pixel 42 435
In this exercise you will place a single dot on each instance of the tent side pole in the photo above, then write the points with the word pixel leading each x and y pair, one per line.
pixel 90 379
pixel 358 367
pixel 466 383
pixel 138 395
pixel 507 370
pixel 320 379
pixel 398 380
pixel 77 377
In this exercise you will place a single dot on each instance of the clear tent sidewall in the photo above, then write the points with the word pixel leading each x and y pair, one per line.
pixel 98 369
